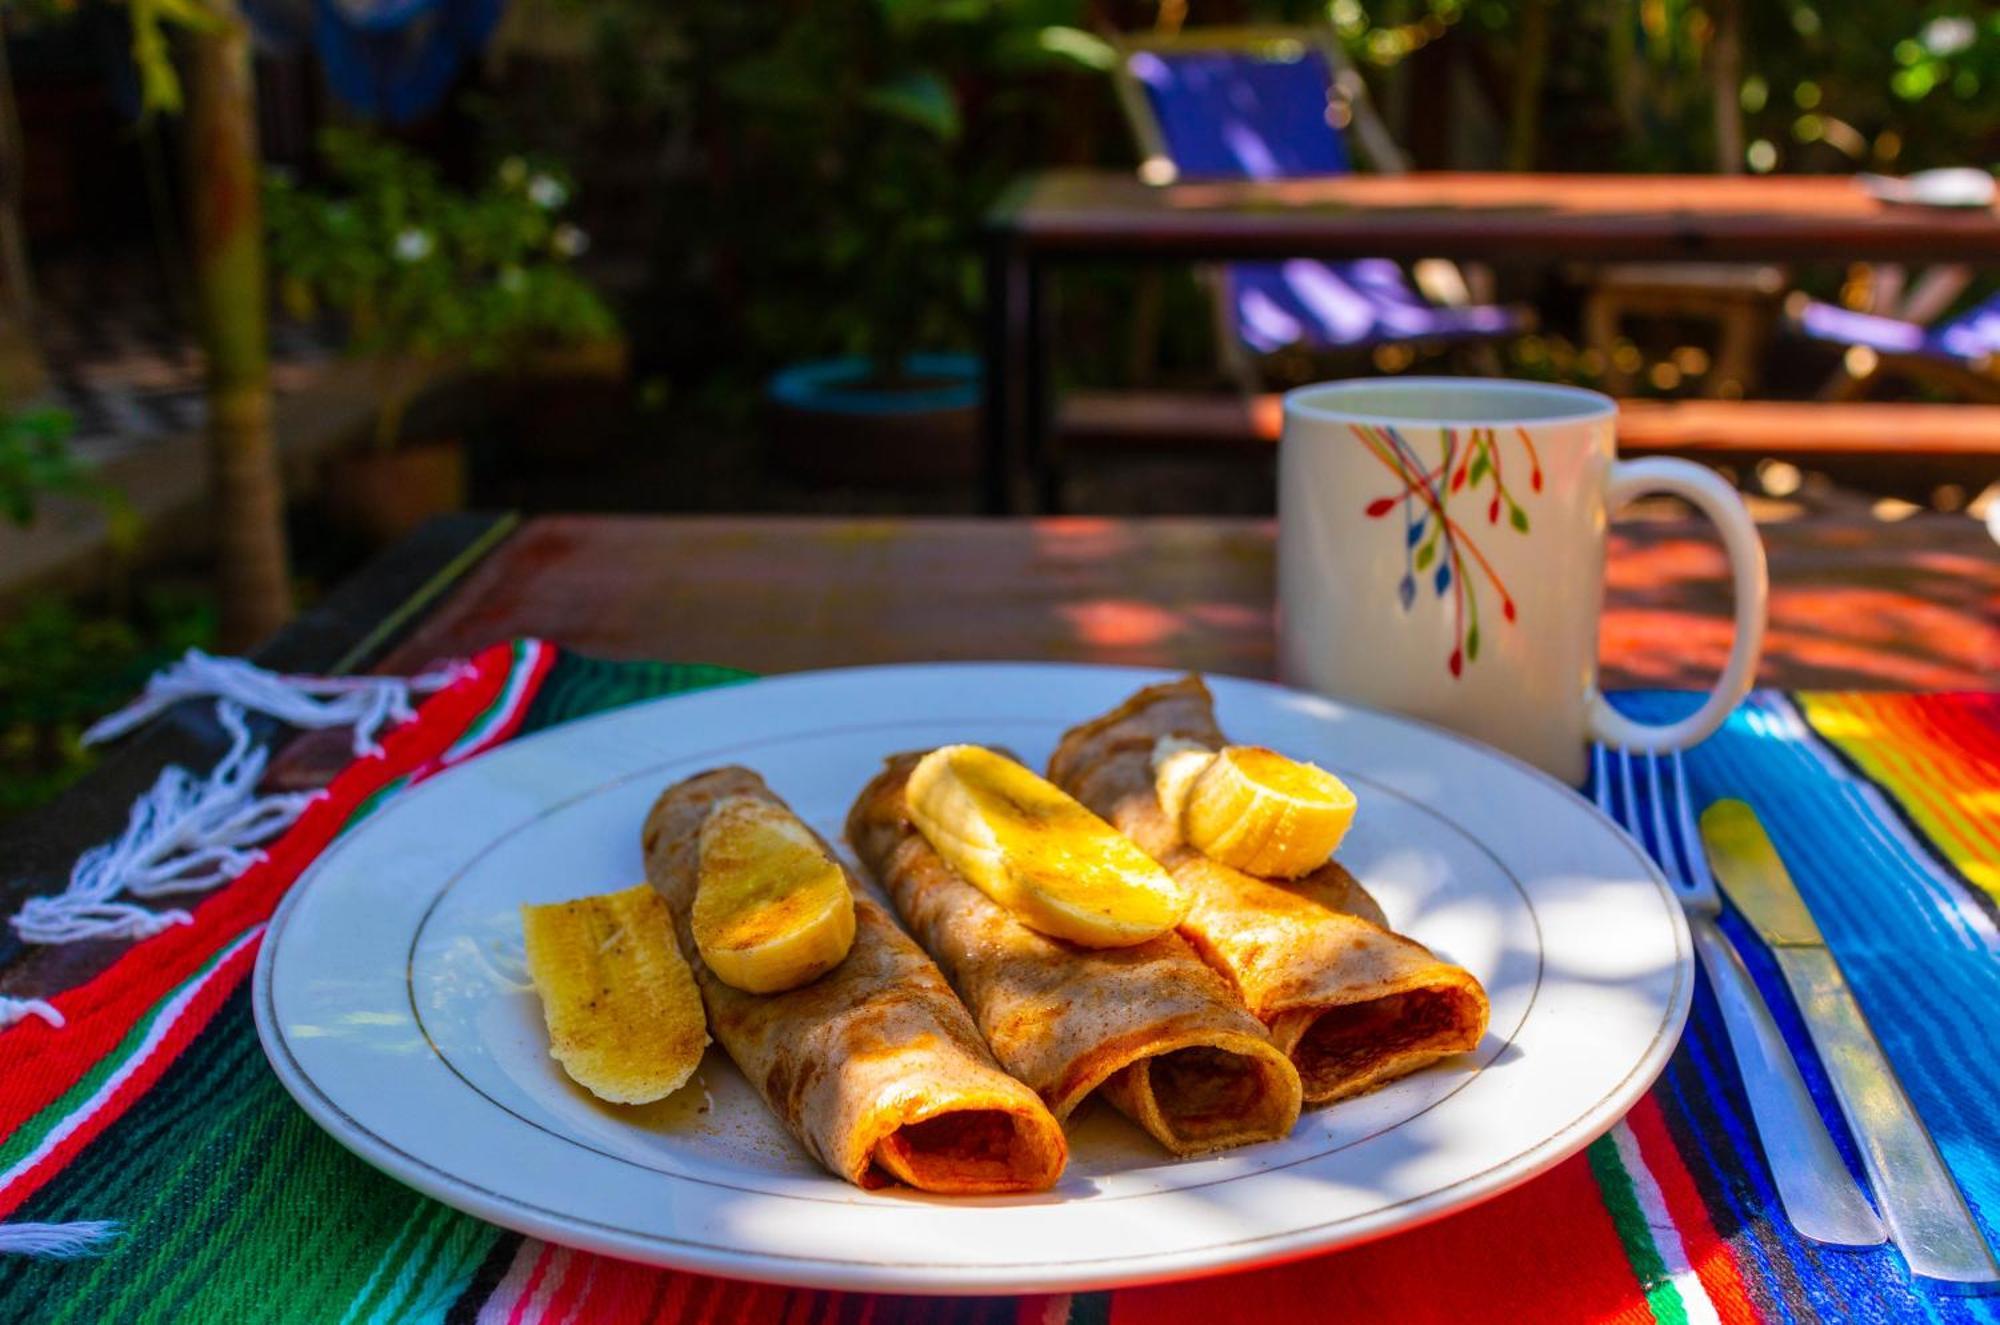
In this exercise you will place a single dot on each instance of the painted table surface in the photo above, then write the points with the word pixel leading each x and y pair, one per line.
pixel 1492 216
pixel 1855 602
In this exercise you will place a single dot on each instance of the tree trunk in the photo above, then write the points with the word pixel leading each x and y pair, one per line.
pixel 228 240
pixel 21 371
pixel 1531 66
pixel 1621 50
pixel 1725 71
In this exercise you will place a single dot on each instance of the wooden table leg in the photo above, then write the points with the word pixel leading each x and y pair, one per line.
pixel 1044 473
pixel 1006 350
pixel 1600 333
pixel 1738 351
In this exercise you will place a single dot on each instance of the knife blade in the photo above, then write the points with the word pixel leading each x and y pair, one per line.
pixel 1926 1214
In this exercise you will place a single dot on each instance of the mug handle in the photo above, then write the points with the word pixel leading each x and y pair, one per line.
pixel 1721 504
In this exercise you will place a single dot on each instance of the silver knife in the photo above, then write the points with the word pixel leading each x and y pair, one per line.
pixel 1926 1214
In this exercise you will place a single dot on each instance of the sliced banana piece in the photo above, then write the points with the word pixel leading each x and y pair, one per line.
pixel 1177 762
pixel 772 910
pixel 624 1017
pixel 1036 851
pixel 1253 809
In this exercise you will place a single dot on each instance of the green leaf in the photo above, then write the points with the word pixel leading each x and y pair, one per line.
pixel 921 98
pixel 1077 46
pixel 122 525
pixel 1425 555
pixel 771 81
pixel 188 13
pixel 1472 645
pixel 906 16
pixel 1479 468
pixel 1518 518
pixel 911 16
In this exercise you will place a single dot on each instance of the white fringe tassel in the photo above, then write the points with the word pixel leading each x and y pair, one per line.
pixel 188 836
pixel 184 835
pixel 60 1242
pixel 367 703
pixel 20 1009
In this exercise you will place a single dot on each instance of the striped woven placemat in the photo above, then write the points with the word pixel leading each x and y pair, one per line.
pixel 153 1106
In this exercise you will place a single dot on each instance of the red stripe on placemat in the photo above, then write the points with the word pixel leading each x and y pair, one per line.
pixel 1710 1255
pixel 544 1252
pixel 541 657
pixel 751 1304
pixel 196 1013
pixel 808 1306
pixel 1545 1251
pixel 618 1290
pixel 1967 721
pixel 673 1305
pixel 1041 1309
pixel 44 1061
pixel 1946 756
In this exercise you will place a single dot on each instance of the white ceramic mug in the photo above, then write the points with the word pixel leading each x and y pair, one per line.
pixel 1441 553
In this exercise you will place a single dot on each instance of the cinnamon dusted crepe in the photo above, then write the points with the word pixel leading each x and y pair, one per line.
pixel 1353 1004
pixel 1164 1036
pixel 875 1066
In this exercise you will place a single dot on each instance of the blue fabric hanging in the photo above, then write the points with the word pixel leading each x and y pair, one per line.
pixel 390 60
pixel 279 27
pixel 395 60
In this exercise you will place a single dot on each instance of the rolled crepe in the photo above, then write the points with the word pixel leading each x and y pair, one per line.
pixel 1353 1004
pixel 1163 1035
pixel 875 1066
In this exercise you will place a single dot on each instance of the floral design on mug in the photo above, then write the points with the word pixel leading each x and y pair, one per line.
pixel 1436 544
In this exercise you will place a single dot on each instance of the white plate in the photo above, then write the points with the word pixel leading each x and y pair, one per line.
pixel 391 999
pixel 1950 186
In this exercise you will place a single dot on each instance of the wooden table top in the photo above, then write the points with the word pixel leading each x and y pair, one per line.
pixel 1077 213
pixel 1855 602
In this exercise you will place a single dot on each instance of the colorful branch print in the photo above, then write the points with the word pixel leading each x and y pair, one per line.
pixel 1436 546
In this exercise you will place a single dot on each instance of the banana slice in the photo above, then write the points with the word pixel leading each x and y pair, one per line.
pixel 1253 809
pixel 772 910
pixel 1030 847
pixel 624 1017
pixel 1177 762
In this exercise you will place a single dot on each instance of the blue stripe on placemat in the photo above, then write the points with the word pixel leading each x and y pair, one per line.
pixel 1922 961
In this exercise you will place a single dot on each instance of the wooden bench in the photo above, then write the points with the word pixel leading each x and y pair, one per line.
pixel 1725 431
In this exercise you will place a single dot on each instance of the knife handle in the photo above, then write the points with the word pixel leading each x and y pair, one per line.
pixel 1819 1195
pixel 1922 1206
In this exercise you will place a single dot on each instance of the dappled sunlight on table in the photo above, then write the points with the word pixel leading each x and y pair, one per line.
pixel 1853 605
pixel 1233 616
pixel 1120 623
pixel 1079 537
pixel 1855 601
pixel 1682 650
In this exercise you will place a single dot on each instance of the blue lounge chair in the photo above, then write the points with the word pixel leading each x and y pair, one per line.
pixel 1960 353
pixel 1279 104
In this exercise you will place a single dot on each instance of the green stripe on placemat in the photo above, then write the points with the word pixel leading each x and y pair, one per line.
pixel 465 1311
pixel 1090 1309
pixel 578 687
pixel 237 1207
pixel 1629 1219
